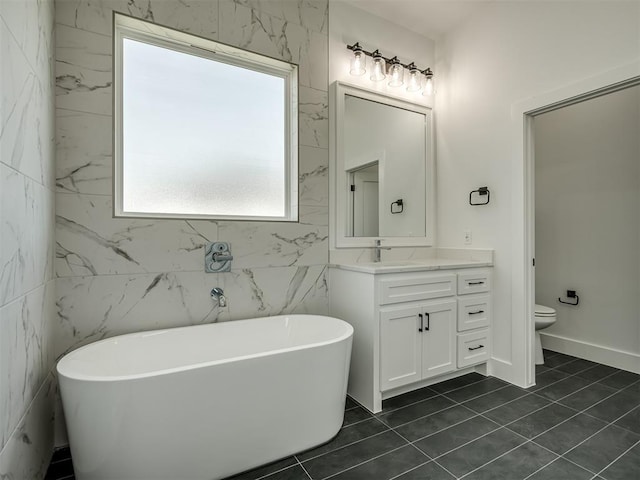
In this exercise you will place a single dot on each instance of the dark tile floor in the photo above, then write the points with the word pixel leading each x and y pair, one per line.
pixel 580 421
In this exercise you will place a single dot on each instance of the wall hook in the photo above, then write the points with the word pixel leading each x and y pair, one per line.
pixel 571 294
pixel 481 191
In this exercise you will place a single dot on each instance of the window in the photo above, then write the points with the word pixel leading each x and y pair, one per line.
pixel 202 129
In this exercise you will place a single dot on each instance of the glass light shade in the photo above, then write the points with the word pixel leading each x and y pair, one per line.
pixel 377 71
pixel 358 63
pixel 397 75
pixel 413 84
pixel 428 87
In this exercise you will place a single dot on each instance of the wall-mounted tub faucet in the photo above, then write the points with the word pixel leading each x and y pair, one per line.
pixel 218 294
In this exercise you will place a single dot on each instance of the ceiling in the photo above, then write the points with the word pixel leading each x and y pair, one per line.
pixel 430 18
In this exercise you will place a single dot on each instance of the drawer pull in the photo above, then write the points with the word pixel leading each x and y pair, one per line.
pixel 421 322
pixel 476 283
pixel 476 313
pixel 476 348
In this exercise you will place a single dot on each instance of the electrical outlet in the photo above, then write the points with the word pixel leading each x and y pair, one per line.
pixel 468 238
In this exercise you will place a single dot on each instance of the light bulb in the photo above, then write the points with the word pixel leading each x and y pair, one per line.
pixel 396 72
pixel 379 66
pixel 428 84
pixel 413 84
pixel 358 62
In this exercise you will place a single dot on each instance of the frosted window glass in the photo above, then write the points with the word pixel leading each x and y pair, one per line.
pixel 200 137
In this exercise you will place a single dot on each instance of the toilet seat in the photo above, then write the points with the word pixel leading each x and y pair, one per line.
pixel 543 311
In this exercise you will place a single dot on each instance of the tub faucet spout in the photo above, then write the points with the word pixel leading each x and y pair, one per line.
pixel 218 294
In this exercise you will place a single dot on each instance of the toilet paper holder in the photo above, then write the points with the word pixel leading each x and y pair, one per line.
pixel 570 294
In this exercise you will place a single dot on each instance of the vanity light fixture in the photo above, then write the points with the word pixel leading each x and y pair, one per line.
pixel 382 66
pixel 396 71
pixel 428 83
pixel 379 67
pixel 415 80
pixel 358 62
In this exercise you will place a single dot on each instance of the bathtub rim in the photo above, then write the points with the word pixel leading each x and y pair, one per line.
pixel 169 371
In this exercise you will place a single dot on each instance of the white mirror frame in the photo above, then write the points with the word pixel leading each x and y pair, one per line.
pixel 338 198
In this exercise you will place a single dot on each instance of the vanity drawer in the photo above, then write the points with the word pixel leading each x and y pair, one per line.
pixel 416 287
pixel 474 311
pixel 473 347
pixel 474 281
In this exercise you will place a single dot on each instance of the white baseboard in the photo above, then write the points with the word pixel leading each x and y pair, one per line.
pixel 504 370
pixel 589 351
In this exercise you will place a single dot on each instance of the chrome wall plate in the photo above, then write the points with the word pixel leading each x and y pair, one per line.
pixel 217 257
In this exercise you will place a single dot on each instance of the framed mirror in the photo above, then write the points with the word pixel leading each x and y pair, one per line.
pixel 383 171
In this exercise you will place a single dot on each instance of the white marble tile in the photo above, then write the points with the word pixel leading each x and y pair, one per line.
pixel 92 308
pixel 83 153
pixel 314 215
pixel 91 242
pixel 25 127
pixel 26 233
pixel 314 176
pixel 199 17
pixel 83 71
pixel 31 24
pixel 314 62
pixel 265 244
pixel 26 354
pixel 28 451
pixel 314 118
pixel 259 32
pixel 311 14
pixel 261 292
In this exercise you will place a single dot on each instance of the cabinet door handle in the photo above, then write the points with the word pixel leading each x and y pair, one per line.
pixel 426 314
pixel 476 313
pixel 476 283
pixel 421 322
pixel 475 348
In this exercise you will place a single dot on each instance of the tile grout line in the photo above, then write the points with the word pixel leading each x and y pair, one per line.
pixel 619 457
pixel 302 466
pixel 366 461
pixel 425 454
pixel 348 444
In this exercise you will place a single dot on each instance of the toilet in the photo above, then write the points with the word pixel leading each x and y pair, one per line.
pixel 544 317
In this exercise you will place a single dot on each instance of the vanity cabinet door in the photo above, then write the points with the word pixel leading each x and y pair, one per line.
pixel 439 337
pixel 400 346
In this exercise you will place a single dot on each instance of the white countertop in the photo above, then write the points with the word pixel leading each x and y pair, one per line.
pixel 401 266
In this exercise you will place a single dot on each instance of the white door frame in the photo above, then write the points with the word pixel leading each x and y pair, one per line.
pixel 523 203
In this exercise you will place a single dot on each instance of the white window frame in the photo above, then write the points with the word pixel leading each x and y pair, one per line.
pixel 125 27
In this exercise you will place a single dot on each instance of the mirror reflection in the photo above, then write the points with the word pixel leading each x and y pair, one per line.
pixel 384 162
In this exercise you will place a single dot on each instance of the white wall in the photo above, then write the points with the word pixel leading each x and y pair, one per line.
pixel 348 25
pixel 587 186
pixel 27 387
pixel 508 52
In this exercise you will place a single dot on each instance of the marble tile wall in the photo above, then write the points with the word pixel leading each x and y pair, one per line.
pixel 27 194
pixel 121 275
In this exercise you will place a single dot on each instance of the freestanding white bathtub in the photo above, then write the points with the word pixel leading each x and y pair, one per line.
pixel 204 402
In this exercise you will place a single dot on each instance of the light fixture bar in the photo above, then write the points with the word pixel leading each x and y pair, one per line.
pixel 356 46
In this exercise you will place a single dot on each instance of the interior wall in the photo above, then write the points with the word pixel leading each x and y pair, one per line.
pixel 347 25
pixel 27 387
pixel 508 52
pixel 587 182
pixel 119 275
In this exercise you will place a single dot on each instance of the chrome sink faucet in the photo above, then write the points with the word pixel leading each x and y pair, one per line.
pixel 218 294
pixel 376 250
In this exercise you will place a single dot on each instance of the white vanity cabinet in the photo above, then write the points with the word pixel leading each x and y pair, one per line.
pixel 411 328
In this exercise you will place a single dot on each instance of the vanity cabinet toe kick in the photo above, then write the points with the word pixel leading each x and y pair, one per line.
pixel 412 329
